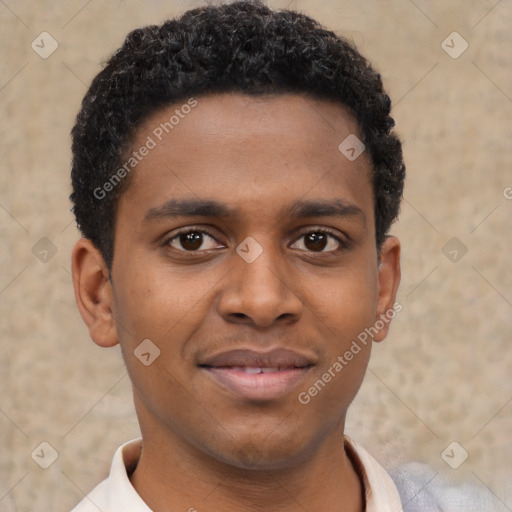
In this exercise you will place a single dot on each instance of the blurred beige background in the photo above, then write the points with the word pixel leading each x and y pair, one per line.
pixel 443 375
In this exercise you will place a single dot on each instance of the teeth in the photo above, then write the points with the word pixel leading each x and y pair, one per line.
pixel 252 370
pixel 247 369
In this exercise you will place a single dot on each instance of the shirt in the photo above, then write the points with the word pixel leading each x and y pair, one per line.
pixel 117 494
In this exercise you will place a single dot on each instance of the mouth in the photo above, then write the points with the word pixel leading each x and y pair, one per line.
pixel 258 376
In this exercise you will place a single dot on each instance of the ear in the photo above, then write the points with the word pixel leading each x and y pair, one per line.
pixel 93 293
pixel 389 279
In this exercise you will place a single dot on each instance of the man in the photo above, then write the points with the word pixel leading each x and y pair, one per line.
pixel 235 175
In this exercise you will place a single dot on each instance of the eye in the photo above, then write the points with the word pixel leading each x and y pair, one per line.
pixel 193 240
pixel 319 240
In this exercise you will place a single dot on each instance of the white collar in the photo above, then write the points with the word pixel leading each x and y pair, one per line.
pixel 116 493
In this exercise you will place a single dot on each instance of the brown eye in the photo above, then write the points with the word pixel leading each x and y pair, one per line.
pixel 315 241
pixel 318 241
pixel 193 240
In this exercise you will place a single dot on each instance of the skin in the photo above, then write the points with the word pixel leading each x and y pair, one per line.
pixel 202 445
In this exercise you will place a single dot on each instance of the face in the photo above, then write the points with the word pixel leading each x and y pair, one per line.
pixel 245 251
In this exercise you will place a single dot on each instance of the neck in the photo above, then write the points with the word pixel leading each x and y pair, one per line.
pixel 173 476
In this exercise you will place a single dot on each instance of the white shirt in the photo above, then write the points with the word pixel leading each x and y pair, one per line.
pixel 117 494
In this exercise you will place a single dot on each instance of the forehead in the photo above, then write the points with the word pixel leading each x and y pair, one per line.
pixel 250 152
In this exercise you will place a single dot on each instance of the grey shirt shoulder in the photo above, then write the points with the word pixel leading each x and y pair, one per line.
pixel 421 488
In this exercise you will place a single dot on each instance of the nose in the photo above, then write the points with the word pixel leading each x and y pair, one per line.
pixel 259 293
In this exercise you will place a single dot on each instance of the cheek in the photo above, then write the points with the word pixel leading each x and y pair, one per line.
pixel 159 303
pixel 346 300
pixel 348 310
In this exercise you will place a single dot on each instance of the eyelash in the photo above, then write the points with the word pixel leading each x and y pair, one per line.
pixel 344 244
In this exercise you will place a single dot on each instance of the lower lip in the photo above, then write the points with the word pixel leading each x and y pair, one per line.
pixel 258 386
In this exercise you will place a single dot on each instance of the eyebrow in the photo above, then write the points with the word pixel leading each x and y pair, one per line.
pixel 333 208
pixel 211 208
pixel 189 208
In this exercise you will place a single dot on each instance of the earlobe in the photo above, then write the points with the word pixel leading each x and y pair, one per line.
pixel 93 292
pixel 389 280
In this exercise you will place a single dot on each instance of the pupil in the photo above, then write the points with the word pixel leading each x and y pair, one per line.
pixel 316 241
pixel 191 241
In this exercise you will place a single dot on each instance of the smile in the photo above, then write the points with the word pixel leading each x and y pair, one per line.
pixel 258 376
pixel 258 383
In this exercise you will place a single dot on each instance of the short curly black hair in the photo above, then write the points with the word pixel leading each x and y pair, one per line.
pixel 243 47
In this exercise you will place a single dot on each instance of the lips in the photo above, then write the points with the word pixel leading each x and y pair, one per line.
pixel 278 358
pixel 256 375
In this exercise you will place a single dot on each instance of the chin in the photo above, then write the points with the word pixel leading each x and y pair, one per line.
pixel 262 456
